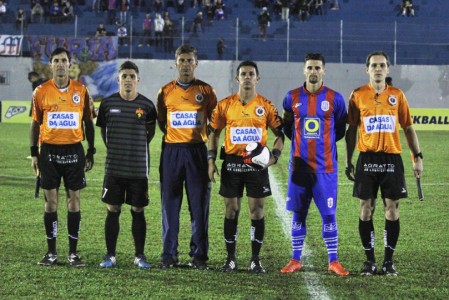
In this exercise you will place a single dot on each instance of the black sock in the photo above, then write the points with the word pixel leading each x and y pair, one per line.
pixel 391 238
pixel 51 230
pixel 73 227
pixel 257 234
pixel 139 230
pixel 230 235
pixel 111 231
pixel 366 231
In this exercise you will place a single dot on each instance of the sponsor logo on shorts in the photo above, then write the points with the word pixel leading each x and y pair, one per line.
pixel 379 168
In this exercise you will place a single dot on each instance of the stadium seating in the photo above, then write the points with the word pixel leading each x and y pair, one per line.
pixel 343 35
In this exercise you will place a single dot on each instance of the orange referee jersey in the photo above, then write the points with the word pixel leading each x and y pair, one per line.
pixel 244 123
pixel 61 113
pixel 379 118
pixel 185 112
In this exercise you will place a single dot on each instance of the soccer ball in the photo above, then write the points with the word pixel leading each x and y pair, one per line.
pixel 256 155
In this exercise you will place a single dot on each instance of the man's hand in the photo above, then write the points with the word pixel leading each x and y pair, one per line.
pixel 89 159
pixel 34 165
pixel 350 173
pixel 212 170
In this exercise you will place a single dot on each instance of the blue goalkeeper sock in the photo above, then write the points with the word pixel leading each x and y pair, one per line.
pixel 330 236
pixel 298 233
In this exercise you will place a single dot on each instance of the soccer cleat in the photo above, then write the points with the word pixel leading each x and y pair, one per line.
pixel 337 268
pixel 49 259
pixel 168 262
pixel 141 262
pixel 229 266
pixel 369 268
pixel 389 269
pixel 108 261
pixel 197 263
pixel 292 266
pixel 256 267
pixel 74 260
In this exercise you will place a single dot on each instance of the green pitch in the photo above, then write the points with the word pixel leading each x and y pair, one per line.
pixel 421 257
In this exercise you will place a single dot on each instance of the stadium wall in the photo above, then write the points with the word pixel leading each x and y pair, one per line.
pixel 426 87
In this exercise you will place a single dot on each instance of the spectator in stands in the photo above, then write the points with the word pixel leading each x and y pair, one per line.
pixel 197 24
pixel 37 13
pixel 111 11
pixel 264 20
pixel 55 12
pixel 180 6
pixel 2 9
pixel 96 5
pixel 67 12
pixel 158 29
pixel 220 48
pixel 210 13
pixel 158 6
pixel 122 34
pixel 168 34
pixel 389 80
pixel 407 8
pixel 303 10
pixel 123 9
pixel 219 13
pixel 101 30
pixel 147 28
pixel 20 19
pixel 318 7
pixel 35 80
pixel 285 9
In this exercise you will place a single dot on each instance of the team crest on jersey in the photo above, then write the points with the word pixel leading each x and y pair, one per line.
pixel 139 113
pixel 260 111
pixel 392 100
pixel 325 105
pixel 76 98
pixel 199 98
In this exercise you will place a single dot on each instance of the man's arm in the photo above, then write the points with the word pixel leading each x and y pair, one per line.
pixel 287 119
pixel 34 138
pixel 214 137
pixel 350 138
pixel 278 145
pixel 413 144
pixel 90 137
pixel 151 128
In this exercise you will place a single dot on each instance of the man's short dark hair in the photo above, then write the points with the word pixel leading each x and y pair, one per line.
pixel 31 74
pixel 248 63
pixel 186 49
pixel 60 50
pixel 377 53
pixel 129 65
pixel 314 56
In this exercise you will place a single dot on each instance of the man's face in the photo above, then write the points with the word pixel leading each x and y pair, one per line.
pixel 247 77
pixel 186 64
pixel 314 71
pixel 60 65
pixel 74 71
pixel 377 69
pixel 128 80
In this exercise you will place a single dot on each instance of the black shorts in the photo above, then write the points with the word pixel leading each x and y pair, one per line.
pixel 62 161
pixel 235 175
pixel 132 191
pixel 382 170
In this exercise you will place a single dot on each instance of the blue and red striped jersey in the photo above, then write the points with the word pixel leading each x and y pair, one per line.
pixel 319 121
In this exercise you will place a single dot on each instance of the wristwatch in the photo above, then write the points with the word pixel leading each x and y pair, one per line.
pixel 92 150
pixel 418 155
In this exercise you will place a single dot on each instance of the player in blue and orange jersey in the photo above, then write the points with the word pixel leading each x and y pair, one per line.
pixel 314 119
pixel 184 107
pixel 378 111
pixel 61 115
pixel 246 117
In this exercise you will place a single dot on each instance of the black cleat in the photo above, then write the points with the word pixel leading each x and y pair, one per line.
pixel 168 262
pixel 256 267
pixel 49 259
pixel 230 265
pixel 369 268
pixel 74 260
pixel 389 269
pixel 197 263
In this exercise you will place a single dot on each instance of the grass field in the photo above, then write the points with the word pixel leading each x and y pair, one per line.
pixel 422 255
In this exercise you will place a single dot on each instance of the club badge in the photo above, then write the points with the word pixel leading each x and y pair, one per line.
pixel 325 105
pixel 76 98
pixel 260 111
pixel 139 113
pixel 199 98
pixel 392 100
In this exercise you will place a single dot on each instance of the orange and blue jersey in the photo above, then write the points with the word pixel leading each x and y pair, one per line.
pixel 319 122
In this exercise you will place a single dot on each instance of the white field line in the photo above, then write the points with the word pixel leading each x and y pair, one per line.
pixel 312 280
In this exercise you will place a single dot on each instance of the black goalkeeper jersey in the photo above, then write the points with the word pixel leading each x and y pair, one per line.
pixel 126 135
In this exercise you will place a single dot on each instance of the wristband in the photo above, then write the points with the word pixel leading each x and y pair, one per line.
pixel 92 150
pixel 418 155
pixel 34 151
pixel 211 154
pixel 276 154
